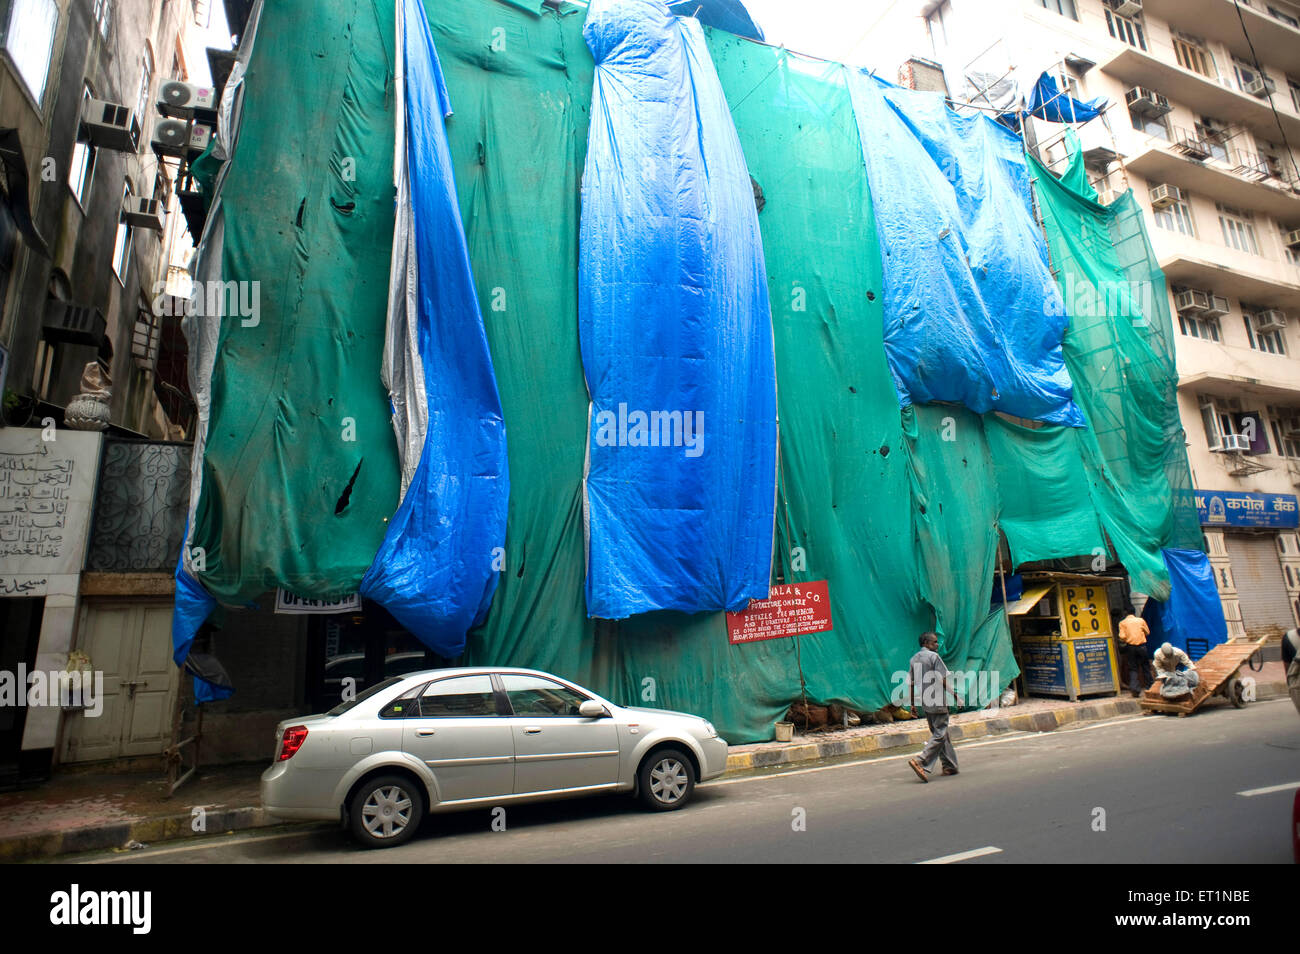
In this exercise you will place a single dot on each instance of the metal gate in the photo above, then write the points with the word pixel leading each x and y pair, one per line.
pixel 1261 589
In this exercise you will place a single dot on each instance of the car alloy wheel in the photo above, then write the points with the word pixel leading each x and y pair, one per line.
pixel 386 812
pixel 667 780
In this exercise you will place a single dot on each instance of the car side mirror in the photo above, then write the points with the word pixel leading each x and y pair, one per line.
pixel 591 709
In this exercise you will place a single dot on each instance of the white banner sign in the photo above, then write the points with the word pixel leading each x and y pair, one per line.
pixel 288 603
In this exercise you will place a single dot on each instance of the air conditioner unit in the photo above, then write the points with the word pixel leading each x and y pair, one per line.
pixel 1107 196
pixel 1217 308
pixel 1292 239
pixel 1191 302
pixel 182 100
pixel 1165 195
pixel 1271 320
pixel 1260 86
pixel 143 212
pixel 179 138
pixel 1146 102
pixel 110 126
pixel 67 323
pixel 1236 442
pixel 1125 8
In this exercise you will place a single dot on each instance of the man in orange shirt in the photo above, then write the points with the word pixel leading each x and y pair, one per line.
pixel 1133 633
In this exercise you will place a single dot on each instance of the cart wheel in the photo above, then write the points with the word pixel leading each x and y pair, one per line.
pixel 1235 692
pixel 1256 661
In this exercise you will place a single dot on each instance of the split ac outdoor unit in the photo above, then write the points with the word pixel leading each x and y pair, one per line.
pixel 178 138
pixel 110 126
pixel 143 212
pixel 1126 8
pixel 1146 102
pixel 1217 308
pixel 1107 196
pixel 1260 86
pixel 1271 320
pixel 73 324
pixel 1292 238
pixel 1236 442
pixel 182 100
pixel 1191 302
pixel 1164 195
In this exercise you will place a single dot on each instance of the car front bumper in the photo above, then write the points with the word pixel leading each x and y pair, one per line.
pixel 715 757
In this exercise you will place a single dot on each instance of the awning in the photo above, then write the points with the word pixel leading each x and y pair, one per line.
pixel 1027 602
pixel 15 169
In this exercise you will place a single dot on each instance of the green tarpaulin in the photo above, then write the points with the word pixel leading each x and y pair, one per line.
pixel 899 511
pixel 300 468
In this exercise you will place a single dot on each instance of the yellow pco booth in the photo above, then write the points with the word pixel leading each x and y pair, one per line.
pixel 1062 636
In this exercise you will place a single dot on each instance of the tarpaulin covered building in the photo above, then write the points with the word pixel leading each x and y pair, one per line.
pixel 940 371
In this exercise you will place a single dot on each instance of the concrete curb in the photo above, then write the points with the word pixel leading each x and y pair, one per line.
pixel 163 828
pixel 809 751
pixel 146 831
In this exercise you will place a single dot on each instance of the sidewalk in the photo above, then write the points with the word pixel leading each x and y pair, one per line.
pixel 85 812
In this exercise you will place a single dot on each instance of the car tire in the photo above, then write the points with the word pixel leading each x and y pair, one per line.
pixel 385 811
pixel 666 780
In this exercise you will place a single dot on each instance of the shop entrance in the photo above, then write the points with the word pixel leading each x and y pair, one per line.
pixel 348 652
pixel 20 632
pixel 1261 589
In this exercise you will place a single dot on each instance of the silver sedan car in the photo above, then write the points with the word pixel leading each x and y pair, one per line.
pixel 451 739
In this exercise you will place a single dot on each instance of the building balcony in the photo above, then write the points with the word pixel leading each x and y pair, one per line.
pixel 1207 95
pixel 1231 371
pixel 1276 43
pixel 1242 181
pixel 1227 271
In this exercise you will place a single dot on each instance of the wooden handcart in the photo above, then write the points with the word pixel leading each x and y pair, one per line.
pixel 1218 670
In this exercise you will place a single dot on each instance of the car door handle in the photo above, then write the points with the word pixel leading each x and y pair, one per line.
pixel 532 729
pixel 425 731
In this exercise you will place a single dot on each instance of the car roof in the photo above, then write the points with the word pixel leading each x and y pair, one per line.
pixel 424 674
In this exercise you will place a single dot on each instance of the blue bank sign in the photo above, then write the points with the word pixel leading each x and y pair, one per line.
pixel 1232 508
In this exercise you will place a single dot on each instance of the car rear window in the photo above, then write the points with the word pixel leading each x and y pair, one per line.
pixel 343 707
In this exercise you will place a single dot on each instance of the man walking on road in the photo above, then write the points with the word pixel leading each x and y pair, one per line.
pixel 927 673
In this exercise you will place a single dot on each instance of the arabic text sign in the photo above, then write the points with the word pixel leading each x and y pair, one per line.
pixel 45 495
pixel 791 609
pixel 1233 508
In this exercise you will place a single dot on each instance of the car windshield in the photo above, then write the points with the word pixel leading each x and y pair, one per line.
pixel 343 707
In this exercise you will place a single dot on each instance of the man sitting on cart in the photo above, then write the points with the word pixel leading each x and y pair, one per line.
pixel 1177 670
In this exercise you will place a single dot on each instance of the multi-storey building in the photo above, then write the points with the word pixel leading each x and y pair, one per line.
pixel 1203 123
pixel 91 223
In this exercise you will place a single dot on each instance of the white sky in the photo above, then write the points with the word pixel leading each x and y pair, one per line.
pixel 875 33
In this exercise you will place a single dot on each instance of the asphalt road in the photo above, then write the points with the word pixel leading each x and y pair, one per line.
pixel 1170 790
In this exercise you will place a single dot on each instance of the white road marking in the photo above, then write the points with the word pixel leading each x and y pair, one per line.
pixel 1285 786
pixel 211 842
pixel 962 856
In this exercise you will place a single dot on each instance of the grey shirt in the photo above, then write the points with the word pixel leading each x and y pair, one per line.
pixel 926 681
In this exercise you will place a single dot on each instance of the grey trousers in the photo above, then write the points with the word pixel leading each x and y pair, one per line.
pixel 940 745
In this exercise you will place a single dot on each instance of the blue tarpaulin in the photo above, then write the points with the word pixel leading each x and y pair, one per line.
pixel 437 568
pixel 675 328
pixel 1192 617
pixel 972 314
pixel 728 15
pixel 1046 101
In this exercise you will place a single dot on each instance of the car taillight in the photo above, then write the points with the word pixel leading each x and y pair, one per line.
pixel 294 737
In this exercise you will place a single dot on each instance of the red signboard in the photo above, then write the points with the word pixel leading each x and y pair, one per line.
pixel 791 609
